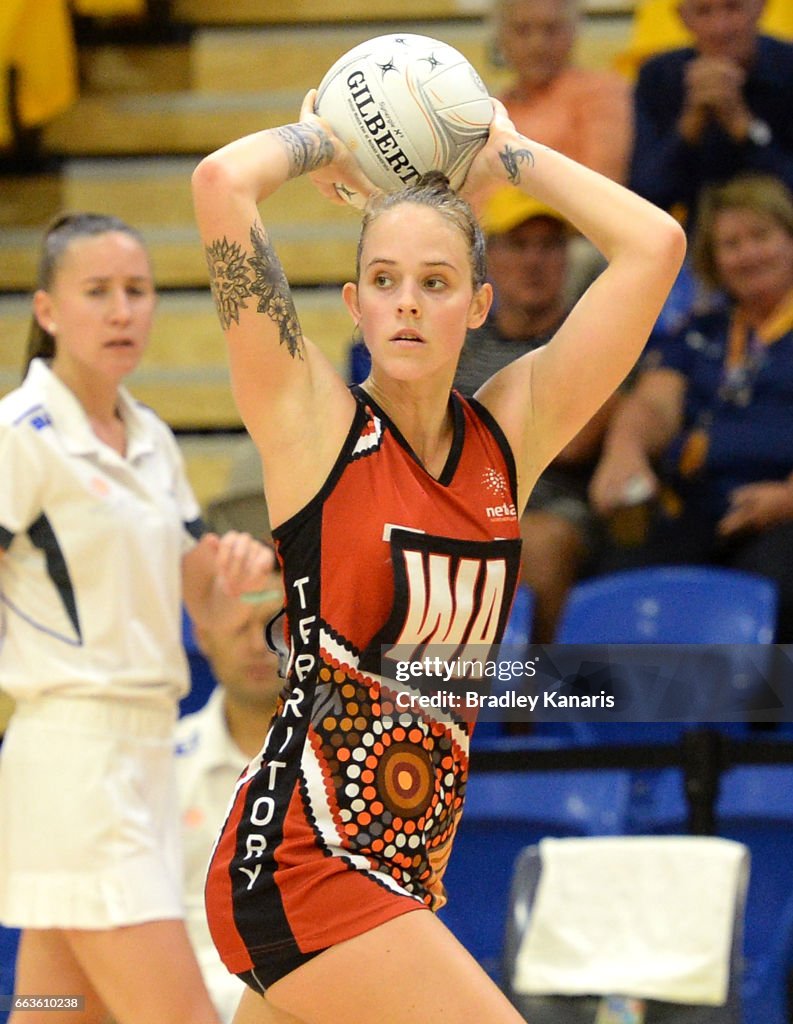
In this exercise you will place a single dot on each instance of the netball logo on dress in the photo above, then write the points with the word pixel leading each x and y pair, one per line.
pixel 495 482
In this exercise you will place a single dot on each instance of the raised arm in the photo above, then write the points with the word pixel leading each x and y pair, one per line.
pixel 543 399
pixel 294 404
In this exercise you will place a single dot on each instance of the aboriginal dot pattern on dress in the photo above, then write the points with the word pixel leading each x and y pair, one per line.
pixel 396 781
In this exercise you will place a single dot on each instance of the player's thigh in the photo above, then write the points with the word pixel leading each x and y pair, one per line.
pixel 407 971
pixel 46 966
pixel 256 1009
pixel 145 973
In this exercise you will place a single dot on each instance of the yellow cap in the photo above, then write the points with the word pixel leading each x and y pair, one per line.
pixel 509 207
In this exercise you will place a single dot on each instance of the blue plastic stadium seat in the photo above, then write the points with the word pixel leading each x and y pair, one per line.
pixel 678 605
pixel 9 939
pixel 755 806
pixel 516 638
pixel 554 1008
pixel 670 604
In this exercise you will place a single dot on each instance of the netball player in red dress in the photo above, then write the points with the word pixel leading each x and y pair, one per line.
pixel 395 509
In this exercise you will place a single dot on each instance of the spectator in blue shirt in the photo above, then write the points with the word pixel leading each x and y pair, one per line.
pixel 708 428
pixel 707 112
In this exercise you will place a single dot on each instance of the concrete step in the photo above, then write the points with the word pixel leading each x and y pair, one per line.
pixel 184 374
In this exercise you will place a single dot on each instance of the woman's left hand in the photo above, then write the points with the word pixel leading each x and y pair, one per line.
pixel 757 507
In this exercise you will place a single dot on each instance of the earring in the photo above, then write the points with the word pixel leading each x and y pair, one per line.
pixel 52 328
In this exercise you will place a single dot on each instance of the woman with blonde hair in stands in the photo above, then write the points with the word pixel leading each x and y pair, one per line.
pixel 706 431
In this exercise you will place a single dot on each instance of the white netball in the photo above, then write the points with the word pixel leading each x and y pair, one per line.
pixel 406 104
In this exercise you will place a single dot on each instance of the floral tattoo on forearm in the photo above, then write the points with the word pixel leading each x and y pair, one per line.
pixel 234 276
pixel 308 147
pixel 512 159
pixel 229 279
pixel 272 287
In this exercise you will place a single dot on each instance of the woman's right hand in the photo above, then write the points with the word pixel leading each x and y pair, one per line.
pixel 343 169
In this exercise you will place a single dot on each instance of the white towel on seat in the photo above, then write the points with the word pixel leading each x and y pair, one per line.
pixel 642 916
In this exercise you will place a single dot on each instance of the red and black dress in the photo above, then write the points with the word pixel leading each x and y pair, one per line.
pixel 346 818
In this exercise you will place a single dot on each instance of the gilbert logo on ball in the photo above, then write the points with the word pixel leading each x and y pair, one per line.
pixel 406 104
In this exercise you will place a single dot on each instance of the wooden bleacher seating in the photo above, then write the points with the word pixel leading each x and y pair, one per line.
pixel 183 375
pixel 208 461
pixel 252 12
pixel 315 239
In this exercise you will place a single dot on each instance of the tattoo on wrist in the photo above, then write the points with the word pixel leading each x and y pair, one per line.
pixel 229 279
pixel 308 147
pixel 272 288
pixel 512 160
